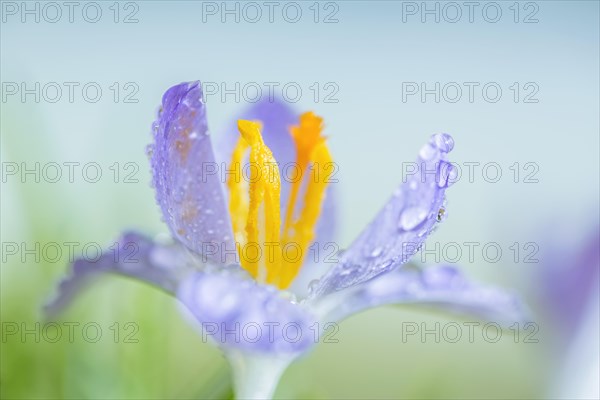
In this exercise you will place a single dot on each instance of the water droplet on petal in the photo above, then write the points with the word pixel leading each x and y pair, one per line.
pixel 443 141
pixel 346 269
pixel 412 217
pixel 149 150
pixel 447 174
pixel 376 252
pixel 312 285
pixel 386 264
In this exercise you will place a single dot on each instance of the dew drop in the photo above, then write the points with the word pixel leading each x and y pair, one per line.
pixel 412 217
pixel 149 150
pixel 346 269
pixel 443 141
pixel 386 264
pixel 447 174
pixel 376 252
pixel 312 285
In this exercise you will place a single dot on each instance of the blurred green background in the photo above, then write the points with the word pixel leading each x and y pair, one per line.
pixel 367 54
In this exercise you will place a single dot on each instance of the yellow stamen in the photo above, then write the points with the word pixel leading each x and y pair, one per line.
pixel 304 226
pixel 306 136
pixel 265 260
pixel 265 188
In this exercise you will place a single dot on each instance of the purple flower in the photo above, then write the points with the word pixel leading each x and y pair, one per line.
pixel 218 220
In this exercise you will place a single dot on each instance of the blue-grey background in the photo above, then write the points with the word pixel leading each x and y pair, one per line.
pixel 364 58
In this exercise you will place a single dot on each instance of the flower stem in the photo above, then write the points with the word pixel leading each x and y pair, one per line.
pixel 256 376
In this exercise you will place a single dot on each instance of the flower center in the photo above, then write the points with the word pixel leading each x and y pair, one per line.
pixel 269 252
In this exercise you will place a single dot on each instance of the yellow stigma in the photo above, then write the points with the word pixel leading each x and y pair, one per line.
pixel 261 242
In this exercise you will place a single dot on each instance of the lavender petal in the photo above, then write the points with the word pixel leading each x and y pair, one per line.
pixel 186 177
pixel 567 281
pixel 264 320
pixel 135 256
pixel 443 287
pixel 404 223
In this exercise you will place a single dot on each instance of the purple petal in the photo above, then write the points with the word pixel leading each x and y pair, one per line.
pixel 185 174
pixel 257 317
pixel 402 226
pixel 133 255
pixel 443 287
pixel 567 279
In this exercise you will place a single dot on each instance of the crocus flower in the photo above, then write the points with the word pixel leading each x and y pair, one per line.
pixel 247 304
